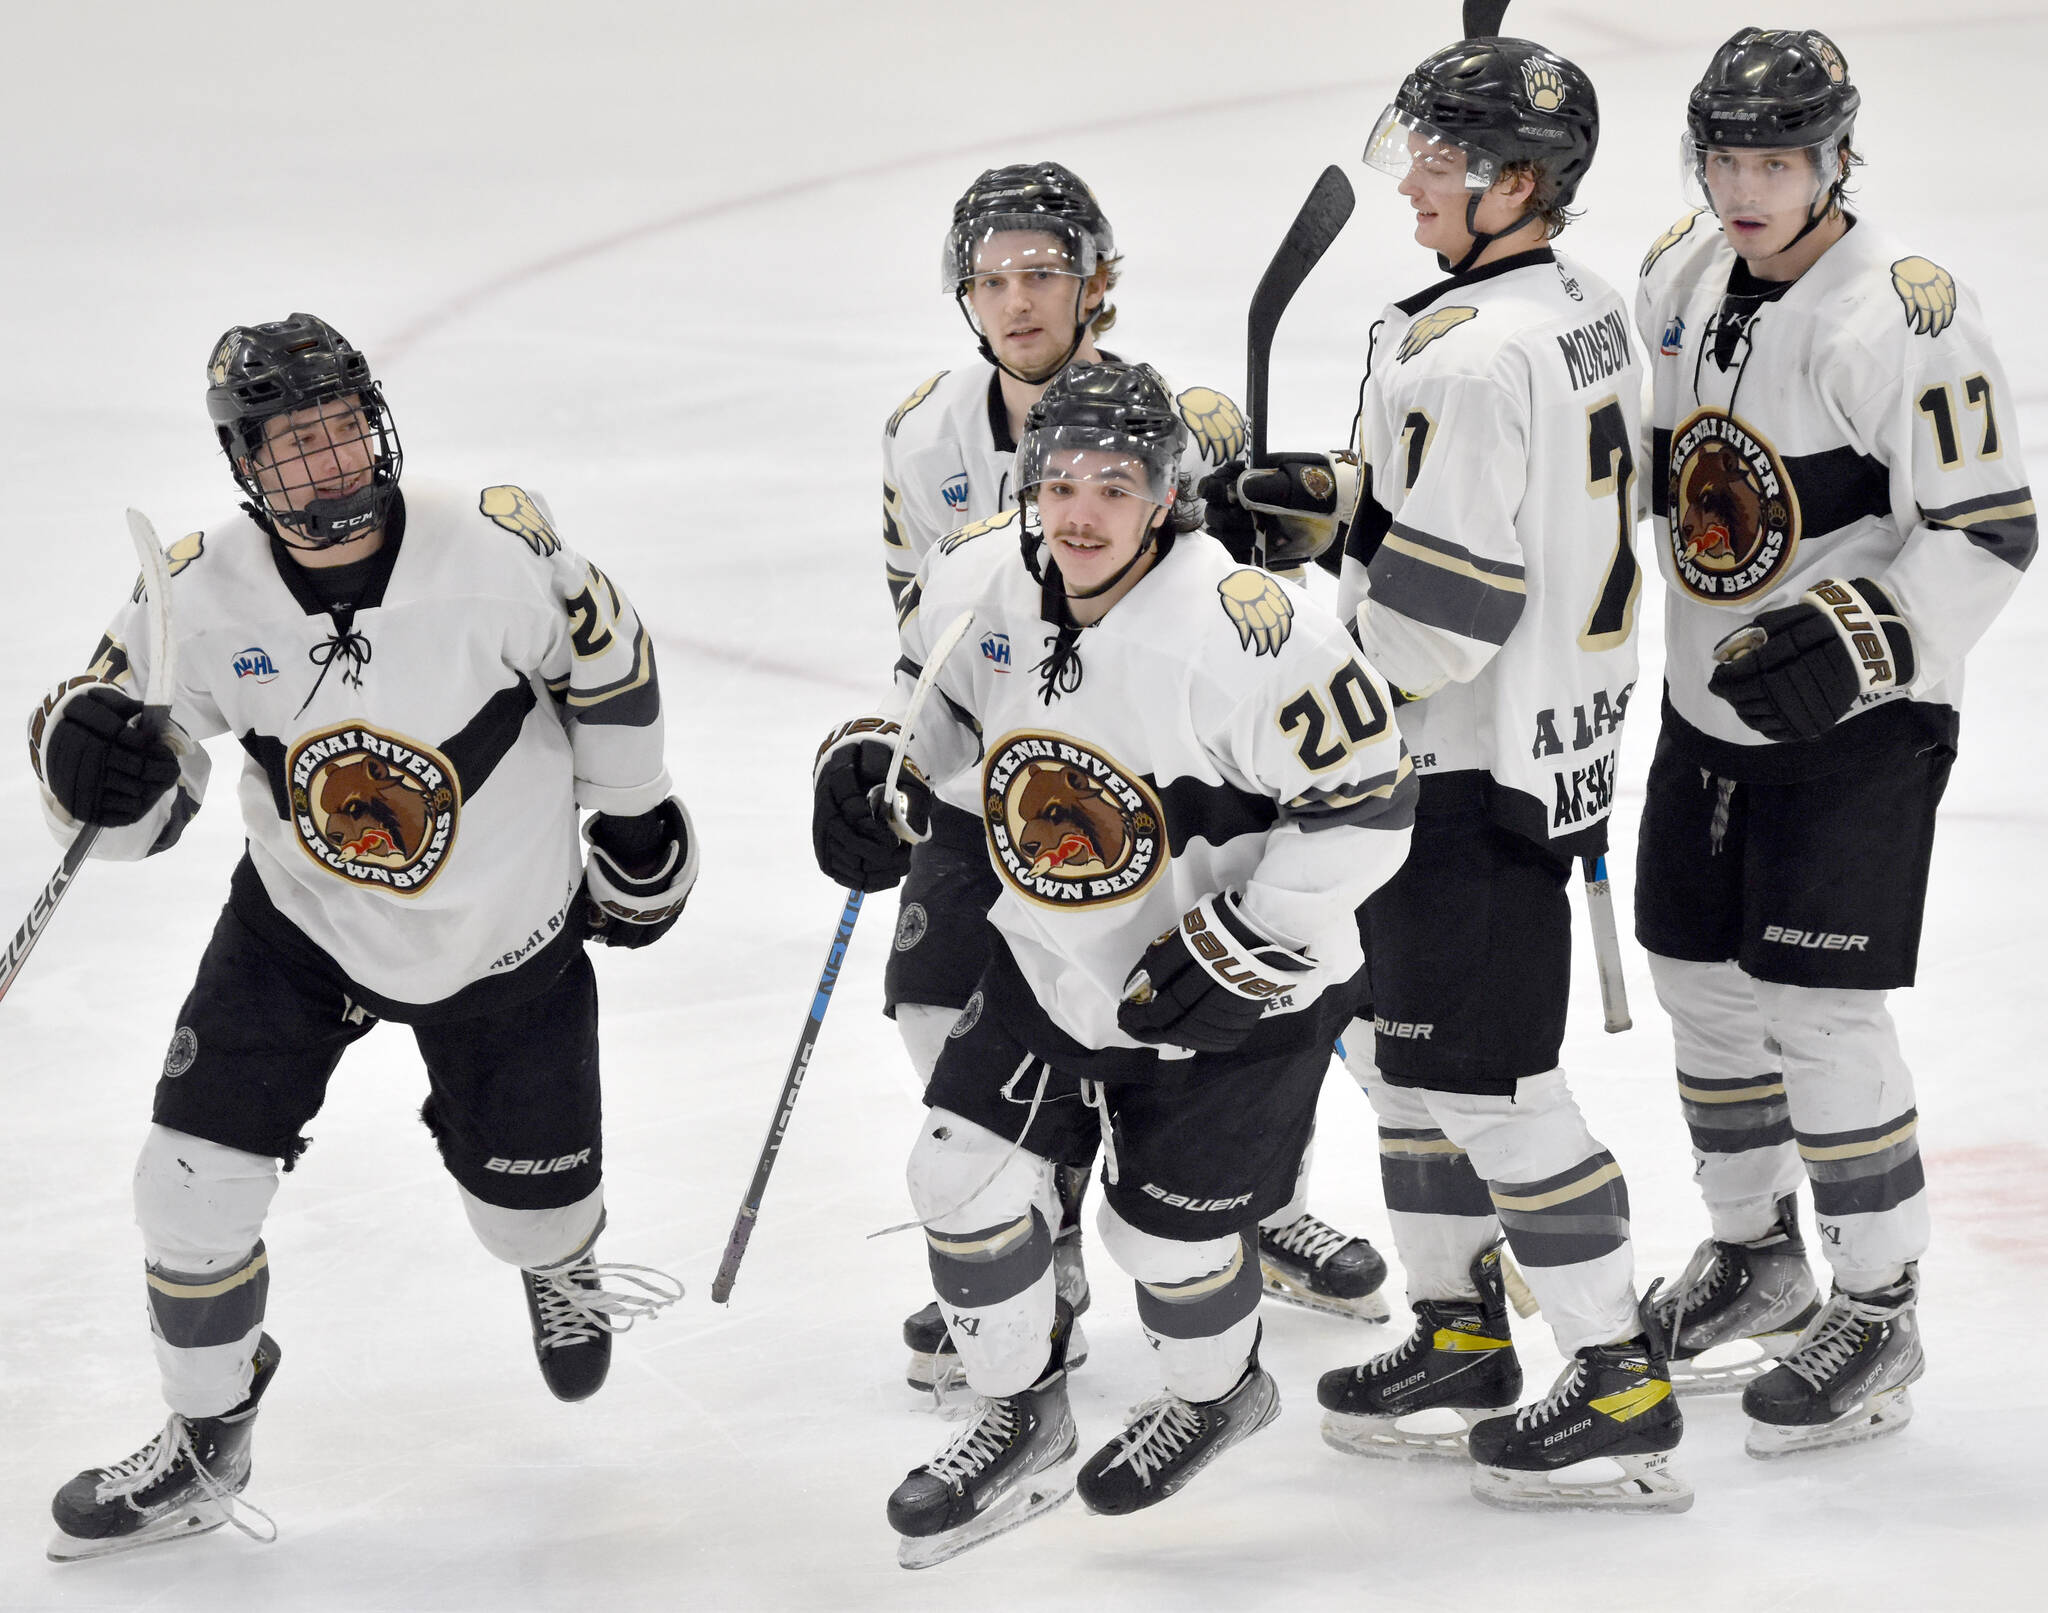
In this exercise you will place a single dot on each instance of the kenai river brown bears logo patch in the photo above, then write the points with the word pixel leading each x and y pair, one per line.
pixel 1734 514
pixel 374 809
pixel 1067 825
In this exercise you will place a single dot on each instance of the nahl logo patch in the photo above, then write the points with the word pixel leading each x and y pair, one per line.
pixel 255 662
pixel 372 808
pixel 1734 514
pixel 1067 825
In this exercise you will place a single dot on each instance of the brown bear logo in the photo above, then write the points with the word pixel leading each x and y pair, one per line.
pixel 1720 506
pixel 1069 823
pixel 371 809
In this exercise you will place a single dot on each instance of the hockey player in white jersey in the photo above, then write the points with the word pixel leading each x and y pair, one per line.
pixel 427 687
pixel 1187 782
pixel 1840 512
pixel 1031 260
pixel 1490 567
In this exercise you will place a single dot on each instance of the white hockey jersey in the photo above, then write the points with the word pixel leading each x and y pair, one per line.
pixel 948 459
pixel 1855 425
pixel 1223 735
pixel 1492 553
pixel 412 802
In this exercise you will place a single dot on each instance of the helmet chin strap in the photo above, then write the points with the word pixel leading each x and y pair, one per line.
pixel 1150 541
pixel 1480 240
pixel 1081 322
pixel 325 522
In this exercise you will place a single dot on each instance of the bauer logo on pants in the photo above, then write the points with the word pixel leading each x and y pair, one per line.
pixel 1734 515
pixel 372 808
pixel 1067 825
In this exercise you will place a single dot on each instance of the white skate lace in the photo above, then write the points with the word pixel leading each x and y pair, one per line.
pixel 1551 1404
pixel 132 1475
pixel 1836 1335
pixel 1160 1430
pixel 976 1445
pixel 1404 1352
pixel 1315 1241
pixel 572 1313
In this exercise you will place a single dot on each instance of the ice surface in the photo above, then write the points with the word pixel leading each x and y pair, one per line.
pixel 673 264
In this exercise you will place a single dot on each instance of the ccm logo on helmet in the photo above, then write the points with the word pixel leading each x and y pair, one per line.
pixel 538 1167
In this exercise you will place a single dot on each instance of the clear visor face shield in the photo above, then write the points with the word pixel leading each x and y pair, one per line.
pixel 1054 462
pixel 1735 181
pixel 1402 143
pixel 986 251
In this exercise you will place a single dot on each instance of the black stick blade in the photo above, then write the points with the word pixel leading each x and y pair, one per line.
pixel 1322 216
pixel 1482 18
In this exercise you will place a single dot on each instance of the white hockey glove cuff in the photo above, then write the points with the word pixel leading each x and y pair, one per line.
pixel 632 909
pixel 1206 982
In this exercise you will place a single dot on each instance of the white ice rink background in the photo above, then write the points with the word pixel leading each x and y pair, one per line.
pixel 673 265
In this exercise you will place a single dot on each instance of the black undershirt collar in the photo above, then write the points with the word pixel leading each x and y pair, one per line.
pixel 1520 260
pixel 359 585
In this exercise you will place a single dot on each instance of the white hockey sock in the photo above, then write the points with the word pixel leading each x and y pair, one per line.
pixel 1731 1088
pixel 1857 1126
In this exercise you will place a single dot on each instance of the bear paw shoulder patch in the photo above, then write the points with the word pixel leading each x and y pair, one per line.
pixel 1258 607
pixel 514 510
pixel 1929 293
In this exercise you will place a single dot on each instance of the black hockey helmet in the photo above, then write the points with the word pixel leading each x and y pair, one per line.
pixel 1502 101
pixel 1121 413
pixel 1036 200
pixel 258 372
pixel 1112 408
pixel 1041 197
pixel 1773 87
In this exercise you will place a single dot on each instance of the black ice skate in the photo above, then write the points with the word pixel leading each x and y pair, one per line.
pixel 1739 1307
pixel 1169 1440
pixel 1013 1460
pixel 574 1317
pixel 1310 1263
pixel 1418 1399
pixel 185 1481
pixel 1845 1380
pixel 935 1374
pixel 1612 1408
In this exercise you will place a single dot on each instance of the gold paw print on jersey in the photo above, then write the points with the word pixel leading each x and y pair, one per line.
pixel 1929 293
pixel 1429 327
pixel 1670 238
pixel 515 511
pixel 1544 84
pixel 1217 425
pixel 1258 607
pixel 912 402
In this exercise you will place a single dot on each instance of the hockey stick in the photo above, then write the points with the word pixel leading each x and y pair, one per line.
pixel 1606 944
pixel 1322 216
pixel 1482 18
pixel 800 1061
pixel 155 714
pixel 785 1106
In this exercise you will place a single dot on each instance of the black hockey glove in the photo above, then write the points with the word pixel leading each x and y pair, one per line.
pixel 639 874
pixel 1795 672
pixel 1223 518
pixel 1205 983
pixel 851 834
pixel 102 766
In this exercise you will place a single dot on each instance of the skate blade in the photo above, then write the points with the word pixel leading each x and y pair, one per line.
pixel 1033 1497
pixel 940 1382
pixel 1726 1368
pixel 1600 1484
pixel 65 1548
pixel 1370 1307
pixel 1882 1414
pixel 1436 1434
